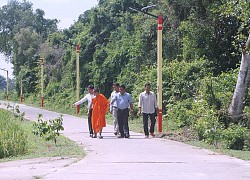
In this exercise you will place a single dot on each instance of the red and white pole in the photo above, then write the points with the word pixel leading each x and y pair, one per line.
pixel 21 94
pixel 42 82
pixel 159 71
pixel 77 77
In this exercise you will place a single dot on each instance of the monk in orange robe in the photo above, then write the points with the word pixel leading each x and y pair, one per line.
pixel 100 108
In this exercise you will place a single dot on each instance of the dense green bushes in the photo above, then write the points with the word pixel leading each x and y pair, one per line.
pixel 12 136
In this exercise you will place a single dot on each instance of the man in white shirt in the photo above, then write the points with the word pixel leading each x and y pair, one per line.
pixel 113 107
pixel 147 107
pixel 88 97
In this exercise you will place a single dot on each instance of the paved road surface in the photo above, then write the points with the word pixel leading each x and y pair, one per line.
pixel 138 158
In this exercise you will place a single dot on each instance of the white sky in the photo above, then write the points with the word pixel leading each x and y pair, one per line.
pixel 67 11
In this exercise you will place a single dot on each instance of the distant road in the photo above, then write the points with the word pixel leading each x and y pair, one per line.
pixel 137 158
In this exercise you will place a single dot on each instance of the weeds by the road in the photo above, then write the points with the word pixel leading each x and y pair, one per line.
pixel 36 146
pixel 241 154
pixel 12 135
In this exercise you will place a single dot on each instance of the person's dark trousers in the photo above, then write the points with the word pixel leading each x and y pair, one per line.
pixel 90 122
pixel 145 123
pixel 122 117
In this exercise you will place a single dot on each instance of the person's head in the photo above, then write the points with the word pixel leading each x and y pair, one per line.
pixel 116 86
pixel 90 89
pixel 96 91
pixel 147 87
pixel 122 89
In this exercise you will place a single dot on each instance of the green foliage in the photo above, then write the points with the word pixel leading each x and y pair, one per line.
pixel 13 140
pixel 202 43
pixel 247 142
pixel 234 136
pixel 49 130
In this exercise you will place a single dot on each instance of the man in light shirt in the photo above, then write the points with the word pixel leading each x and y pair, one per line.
pixel 113 107
pixel 147 107
pixel 124 104
pixel 88 97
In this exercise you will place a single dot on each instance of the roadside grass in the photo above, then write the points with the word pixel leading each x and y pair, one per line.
pixel 241 154
pixel 38 147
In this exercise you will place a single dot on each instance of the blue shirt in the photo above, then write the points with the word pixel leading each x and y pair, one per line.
pixel 123 101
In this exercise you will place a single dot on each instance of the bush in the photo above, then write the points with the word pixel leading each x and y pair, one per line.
pixel 49 130
pixel 208 128
pixel 247 141
pixel 12 136
pixel 234 137
pixel 180 114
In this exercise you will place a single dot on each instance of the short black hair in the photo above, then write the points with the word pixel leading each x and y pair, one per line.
pixel 96 90
pixel 147 84
pixel 123 86
pixel 116 84
pixel 91 86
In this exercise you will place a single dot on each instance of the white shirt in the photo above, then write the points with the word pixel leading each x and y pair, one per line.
pixel 113 94
pixel 147 102
pixel 88 98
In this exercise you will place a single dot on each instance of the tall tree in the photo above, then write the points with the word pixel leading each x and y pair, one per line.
pixel 240 10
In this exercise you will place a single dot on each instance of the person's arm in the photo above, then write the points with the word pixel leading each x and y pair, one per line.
pixel 81 101
pixel 113 100
pixel 140 104
pixel 156 105
pixel 111 106
pixel 91 104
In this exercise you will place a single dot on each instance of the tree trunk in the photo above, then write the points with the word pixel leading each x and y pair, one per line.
pixel 236 107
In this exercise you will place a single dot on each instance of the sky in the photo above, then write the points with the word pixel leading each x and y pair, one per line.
pixel 66 11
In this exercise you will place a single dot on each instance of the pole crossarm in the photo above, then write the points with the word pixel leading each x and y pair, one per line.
pixel 3 69
pixel 144 12
pixel 70 43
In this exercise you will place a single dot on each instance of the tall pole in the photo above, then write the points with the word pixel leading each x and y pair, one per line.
pixel 159 71
pixel 7 83
pixel 42 81
pixel 77 77
pixel 21 94
pixel 7 88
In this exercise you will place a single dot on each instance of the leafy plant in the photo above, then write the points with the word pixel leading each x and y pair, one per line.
pixel 234 136
pixel 49 130
pixel 13 139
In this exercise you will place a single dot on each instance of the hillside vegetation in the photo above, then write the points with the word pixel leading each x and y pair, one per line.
pixel 202 46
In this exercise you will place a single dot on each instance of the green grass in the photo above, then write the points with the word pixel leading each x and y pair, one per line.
pixel 241 154
pixel 38 147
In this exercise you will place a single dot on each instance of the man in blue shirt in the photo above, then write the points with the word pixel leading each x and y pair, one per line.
pixel 124 102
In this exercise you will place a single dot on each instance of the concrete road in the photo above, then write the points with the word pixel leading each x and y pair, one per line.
pixel 139 158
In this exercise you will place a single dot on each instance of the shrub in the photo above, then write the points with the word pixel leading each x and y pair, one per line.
pixel 247 141
pixel 49 130
pixel 208 128
pixel 234 137
pixel 12 136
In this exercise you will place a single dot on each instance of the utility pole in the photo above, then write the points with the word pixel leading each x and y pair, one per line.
pixel 7 82
pixel 21 93
pixel 159 72
pixel 77 77
pixel 42 81
pixel 77 72
pixel 159 18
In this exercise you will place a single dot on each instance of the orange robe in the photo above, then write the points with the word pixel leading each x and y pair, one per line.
pixel 100 107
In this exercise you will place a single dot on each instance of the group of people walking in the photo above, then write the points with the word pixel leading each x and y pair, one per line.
pixel 121 104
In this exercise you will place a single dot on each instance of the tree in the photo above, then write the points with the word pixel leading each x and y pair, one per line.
pixel 241 10
pixel 236 107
